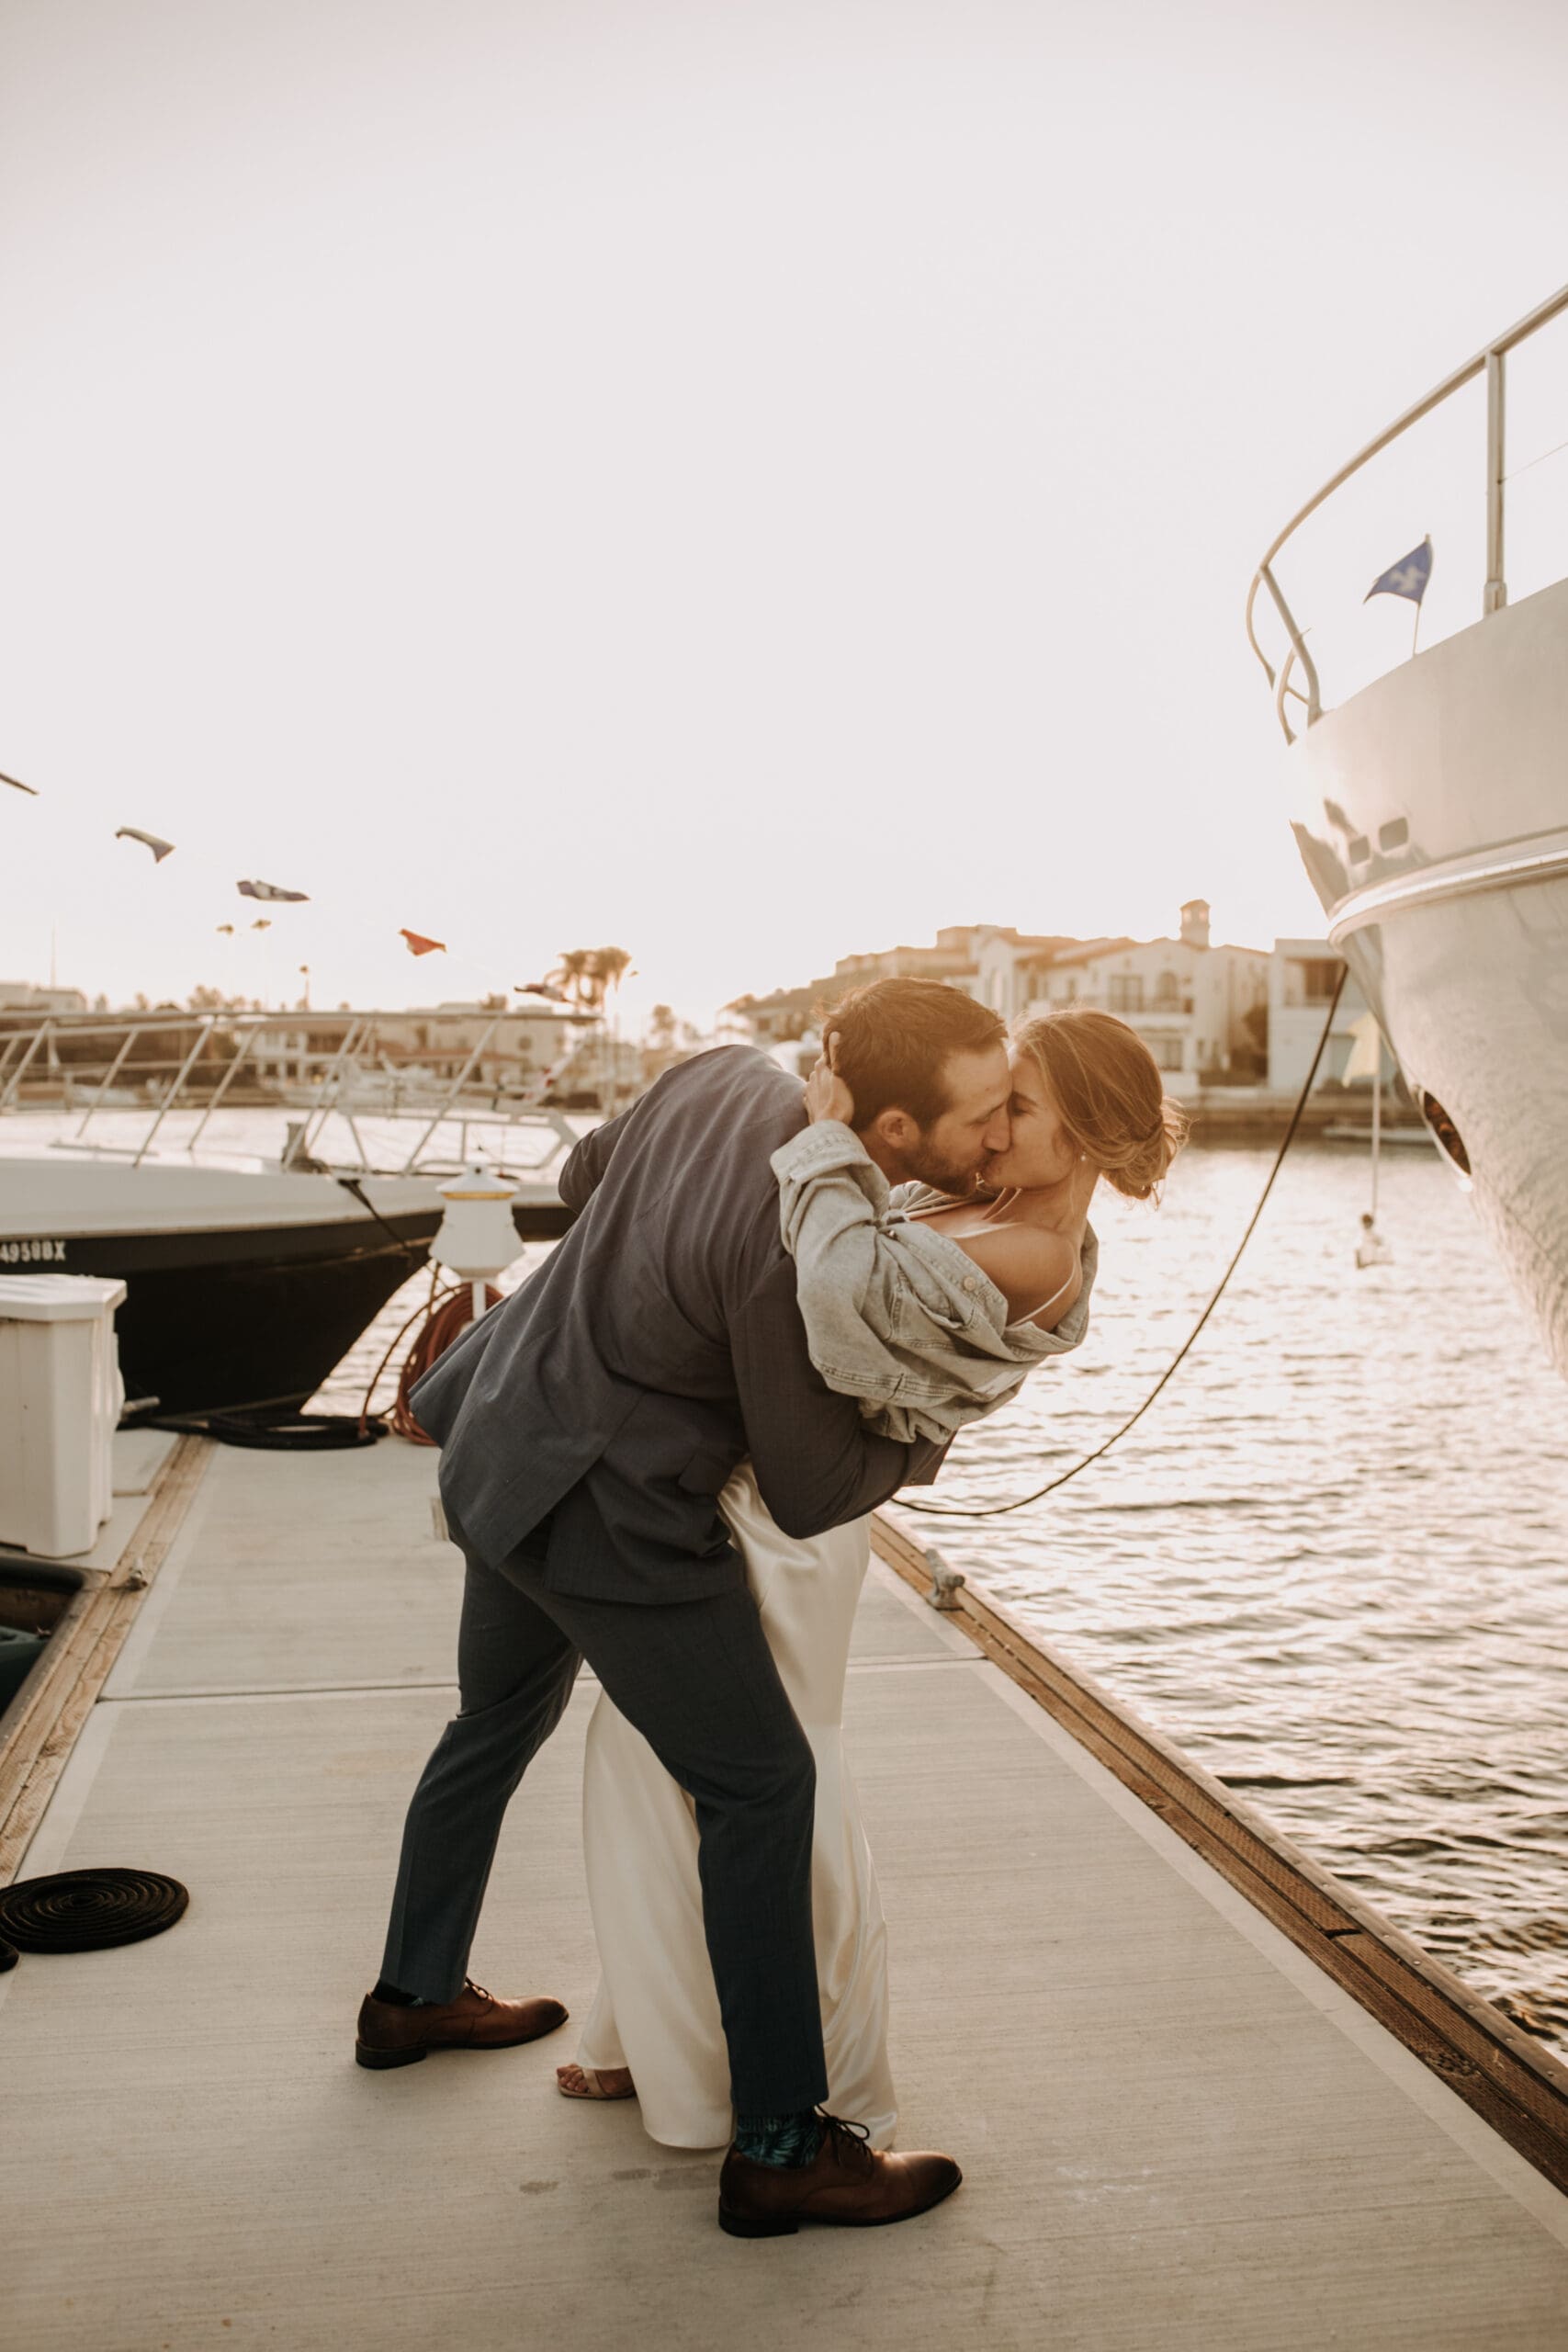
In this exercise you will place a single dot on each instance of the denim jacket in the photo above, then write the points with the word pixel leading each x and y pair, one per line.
pixel 896 1315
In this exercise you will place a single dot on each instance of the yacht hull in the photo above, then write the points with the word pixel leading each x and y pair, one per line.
pixel 1432 818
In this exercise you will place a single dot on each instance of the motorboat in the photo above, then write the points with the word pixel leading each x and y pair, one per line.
pixel 245 1284
pixel 1430 805
pixel 249 1274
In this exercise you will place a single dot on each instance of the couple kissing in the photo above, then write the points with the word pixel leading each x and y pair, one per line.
pixel 775 1309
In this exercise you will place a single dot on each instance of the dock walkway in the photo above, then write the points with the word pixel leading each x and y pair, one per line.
pixel 1177 2135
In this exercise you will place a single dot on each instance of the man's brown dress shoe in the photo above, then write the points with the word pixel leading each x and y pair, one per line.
pixel 846 2183
pixel 392 2035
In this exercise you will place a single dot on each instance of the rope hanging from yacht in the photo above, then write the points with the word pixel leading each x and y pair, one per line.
pixel 998 1511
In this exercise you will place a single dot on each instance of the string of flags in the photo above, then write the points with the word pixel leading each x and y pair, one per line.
pixel 268 893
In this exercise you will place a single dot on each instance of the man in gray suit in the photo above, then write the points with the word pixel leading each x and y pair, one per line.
pixel 587 1425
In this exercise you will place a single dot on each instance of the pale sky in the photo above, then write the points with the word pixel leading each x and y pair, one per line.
pixel 748 482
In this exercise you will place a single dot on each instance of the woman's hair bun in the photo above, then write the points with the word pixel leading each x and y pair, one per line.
pixel 1141 1176
pixel 1111 1097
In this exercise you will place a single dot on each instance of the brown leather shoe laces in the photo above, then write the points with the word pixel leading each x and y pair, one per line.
pixel 850 2140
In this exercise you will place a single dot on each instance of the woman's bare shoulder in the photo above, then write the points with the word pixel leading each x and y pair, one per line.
pixel 1028 1263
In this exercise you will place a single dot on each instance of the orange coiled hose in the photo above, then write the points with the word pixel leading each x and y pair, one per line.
pixel 440 1320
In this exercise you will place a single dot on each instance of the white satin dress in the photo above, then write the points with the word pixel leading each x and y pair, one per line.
pixel 656 2010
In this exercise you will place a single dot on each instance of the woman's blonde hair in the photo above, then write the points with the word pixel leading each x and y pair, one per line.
pixel 1107 1085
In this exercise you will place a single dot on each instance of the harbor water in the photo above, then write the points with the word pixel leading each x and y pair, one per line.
pixel 1331 1563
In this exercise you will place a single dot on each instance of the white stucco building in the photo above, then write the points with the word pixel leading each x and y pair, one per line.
pixel 1189 1001
pixel 1302 974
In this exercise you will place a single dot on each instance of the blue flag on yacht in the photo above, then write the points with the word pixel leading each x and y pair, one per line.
pixel 1408 577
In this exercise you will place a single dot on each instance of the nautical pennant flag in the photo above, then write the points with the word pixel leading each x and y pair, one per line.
pixel 160 848
pixel 1408 577
pixel 420 945
pixel 269 890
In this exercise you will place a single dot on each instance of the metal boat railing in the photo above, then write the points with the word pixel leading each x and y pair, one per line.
pixel 185 1062
pixel 1490 362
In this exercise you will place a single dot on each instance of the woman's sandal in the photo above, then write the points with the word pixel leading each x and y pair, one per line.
pixel 592 2083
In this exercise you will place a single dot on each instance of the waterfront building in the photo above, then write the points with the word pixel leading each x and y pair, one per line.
pixel 1301 976
pixel 785 1015
pixel 1201 1008
pixel 1219 1020
pixel 20 996
pixel 427 1044
pixel 776 1019
pixel 608 1069
pixel 1013 970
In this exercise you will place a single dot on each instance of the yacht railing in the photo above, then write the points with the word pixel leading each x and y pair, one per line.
pixel 1489 362
pixel 183 1062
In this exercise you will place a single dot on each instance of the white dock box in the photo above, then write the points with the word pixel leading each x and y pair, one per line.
pixel 60 1401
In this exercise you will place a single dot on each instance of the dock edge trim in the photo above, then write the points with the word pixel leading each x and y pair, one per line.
pixel 55 1701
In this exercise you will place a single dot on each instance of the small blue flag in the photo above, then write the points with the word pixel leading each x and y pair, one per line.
pixel 1407 578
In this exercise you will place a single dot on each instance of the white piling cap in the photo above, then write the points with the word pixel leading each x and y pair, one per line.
pixel 477 1182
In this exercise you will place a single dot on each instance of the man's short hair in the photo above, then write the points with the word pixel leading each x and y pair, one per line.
pixel 895 1037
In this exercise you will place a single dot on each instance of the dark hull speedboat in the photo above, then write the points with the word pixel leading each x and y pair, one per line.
pixel 246 1287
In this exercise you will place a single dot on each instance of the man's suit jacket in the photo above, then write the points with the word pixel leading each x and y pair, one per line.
pixel 657 1345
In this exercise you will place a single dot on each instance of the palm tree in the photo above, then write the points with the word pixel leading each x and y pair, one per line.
pixel 611 966
pixel 608 967
pixel 588 975
pixel 572 971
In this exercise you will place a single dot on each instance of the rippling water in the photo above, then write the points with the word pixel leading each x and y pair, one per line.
pixel 1330 1562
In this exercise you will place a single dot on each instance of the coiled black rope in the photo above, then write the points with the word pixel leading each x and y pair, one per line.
pixel 277 1428
pixel 86 1910
pixel 1000 1510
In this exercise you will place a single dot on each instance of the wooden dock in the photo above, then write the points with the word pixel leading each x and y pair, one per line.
pixel 1179 2131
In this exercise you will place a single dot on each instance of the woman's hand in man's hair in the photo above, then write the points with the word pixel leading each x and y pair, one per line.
pixel 826 1096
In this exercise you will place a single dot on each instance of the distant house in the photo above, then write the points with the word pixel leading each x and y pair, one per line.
pixel 514 1048
pixel 787 1013
pixel 1200 1009
pixel 20 996
pixel 779 1018
pixel 1195 1006
pixel 952 959
pixel 772 1020
pixel 1011 965
pixel 1301 976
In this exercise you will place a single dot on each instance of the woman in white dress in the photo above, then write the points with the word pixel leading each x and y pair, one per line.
pixel 931 1311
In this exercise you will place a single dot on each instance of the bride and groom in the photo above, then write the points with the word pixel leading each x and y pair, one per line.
pixel 661 1456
